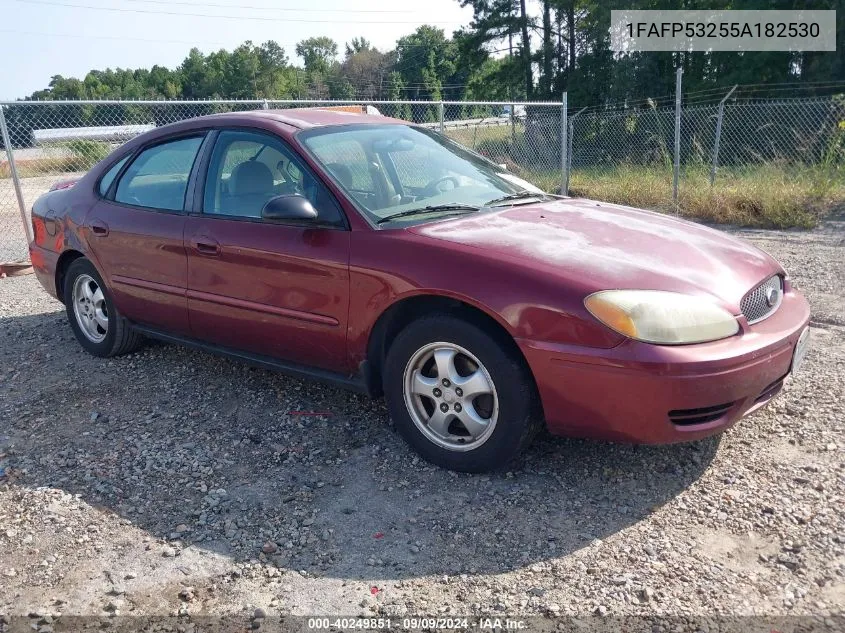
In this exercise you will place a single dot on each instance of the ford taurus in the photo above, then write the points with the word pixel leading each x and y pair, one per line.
pixel 381 256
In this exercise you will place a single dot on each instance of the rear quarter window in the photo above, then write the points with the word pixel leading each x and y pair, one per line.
pixel 110 175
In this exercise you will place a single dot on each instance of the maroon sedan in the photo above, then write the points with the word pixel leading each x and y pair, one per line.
pixel 385 258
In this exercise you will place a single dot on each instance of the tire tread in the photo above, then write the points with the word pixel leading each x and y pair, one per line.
pixel 124 338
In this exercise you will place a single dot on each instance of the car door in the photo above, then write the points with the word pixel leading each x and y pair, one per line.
pixel 136 232
pixel 265 286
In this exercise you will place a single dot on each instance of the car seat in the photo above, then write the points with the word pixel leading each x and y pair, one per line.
pixel 251 185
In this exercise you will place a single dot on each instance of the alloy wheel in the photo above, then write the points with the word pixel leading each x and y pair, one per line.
pixel 450 396
pixel 89 307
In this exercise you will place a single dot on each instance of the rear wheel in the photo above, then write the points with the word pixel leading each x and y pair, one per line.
pixel 98 326
pixel 459 396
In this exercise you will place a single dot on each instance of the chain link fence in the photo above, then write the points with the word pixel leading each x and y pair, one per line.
pixel 627 155
pixel 621 155
pixel 53 141
pixel 802 131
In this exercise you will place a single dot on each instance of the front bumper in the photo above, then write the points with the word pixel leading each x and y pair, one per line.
pixel 653 394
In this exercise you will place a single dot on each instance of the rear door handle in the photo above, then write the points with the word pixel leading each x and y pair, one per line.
pixel 99 228
pixel 206 245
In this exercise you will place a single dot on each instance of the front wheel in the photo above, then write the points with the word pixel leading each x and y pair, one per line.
pixel 95 321
pixel 462 398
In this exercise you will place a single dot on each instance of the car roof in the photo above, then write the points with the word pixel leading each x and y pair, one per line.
pixel 306 118
pixel 291 118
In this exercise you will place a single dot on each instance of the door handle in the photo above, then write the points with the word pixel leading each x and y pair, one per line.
pixel 206 245
pixel 99 228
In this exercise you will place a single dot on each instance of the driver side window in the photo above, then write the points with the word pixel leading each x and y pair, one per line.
pixel 247 169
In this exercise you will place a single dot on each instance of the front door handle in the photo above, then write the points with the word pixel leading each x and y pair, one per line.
pixel 99 228
pixel 206 245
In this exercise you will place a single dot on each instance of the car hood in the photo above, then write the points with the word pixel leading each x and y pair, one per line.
pixel 598 246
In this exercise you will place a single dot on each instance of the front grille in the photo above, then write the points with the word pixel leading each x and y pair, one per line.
pixel 763 300
pixel 688 417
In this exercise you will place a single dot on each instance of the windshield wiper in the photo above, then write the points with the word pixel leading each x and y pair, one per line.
pixel 455 208
pixel 521 195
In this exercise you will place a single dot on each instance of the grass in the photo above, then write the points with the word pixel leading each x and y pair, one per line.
pixel 487 140
pixel 78 155
pixel 56 166
pixel 771 196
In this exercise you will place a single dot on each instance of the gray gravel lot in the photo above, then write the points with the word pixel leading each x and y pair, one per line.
pixel 173 482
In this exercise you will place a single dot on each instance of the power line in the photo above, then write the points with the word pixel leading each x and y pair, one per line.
pixel 275 9
pixel 226 17
pixel 111 37
pixel 134 39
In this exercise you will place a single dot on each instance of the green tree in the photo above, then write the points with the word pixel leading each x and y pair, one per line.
pixel 318 53
pixel 395 92
pixel 366 70
pixel 426 60
pixel 498 22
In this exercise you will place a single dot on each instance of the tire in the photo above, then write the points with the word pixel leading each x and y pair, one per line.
pixel 500 424
pixel 117 337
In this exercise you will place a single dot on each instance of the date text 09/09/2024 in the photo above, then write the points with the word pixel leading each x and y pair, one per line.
pixel 416 623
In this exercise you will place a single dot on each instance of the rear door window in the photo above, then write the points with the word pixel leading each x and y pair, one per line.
pixel 158 177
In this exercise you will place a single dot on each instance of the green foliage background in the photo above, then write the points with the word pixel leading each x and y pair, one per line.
pixel 510 50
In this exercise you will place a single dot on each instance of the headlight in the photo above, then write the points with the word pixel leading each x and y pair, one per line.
pixel 667 318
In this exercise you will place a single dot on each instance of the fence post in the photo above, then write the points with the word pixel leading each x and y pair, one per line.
pixel 513 124
pixel 569 149
pixel 7 143
pixel 719 118
pixel 677 165
pixel 440 115
pixel 564 147
pixel 265 105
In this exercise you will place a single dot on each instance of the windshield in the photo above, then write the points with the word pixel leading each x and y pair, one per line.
pixel 390 170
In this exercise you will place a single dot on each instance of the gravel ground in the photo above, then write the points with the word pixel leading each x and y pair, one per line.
pixel 172 482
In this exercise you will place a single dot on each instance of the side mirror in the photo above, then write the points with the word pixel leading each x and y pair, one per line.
pixel 289 206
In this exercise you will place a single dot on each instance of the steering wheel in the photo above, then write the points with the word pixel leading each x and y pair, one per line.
pixel 289 186
pixel 433 187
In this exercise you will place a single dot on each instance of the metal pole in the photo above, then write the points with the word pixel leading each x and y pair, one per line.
pixel 440 114
pixel 677 168
pixel 7 143
pixel 513 124
pixel 718 136
pixel 569 149
pixel 564 146
pixel 265 105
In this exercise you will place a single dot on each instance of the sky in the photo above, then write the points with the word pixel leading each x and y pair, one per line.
pixel 42 38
